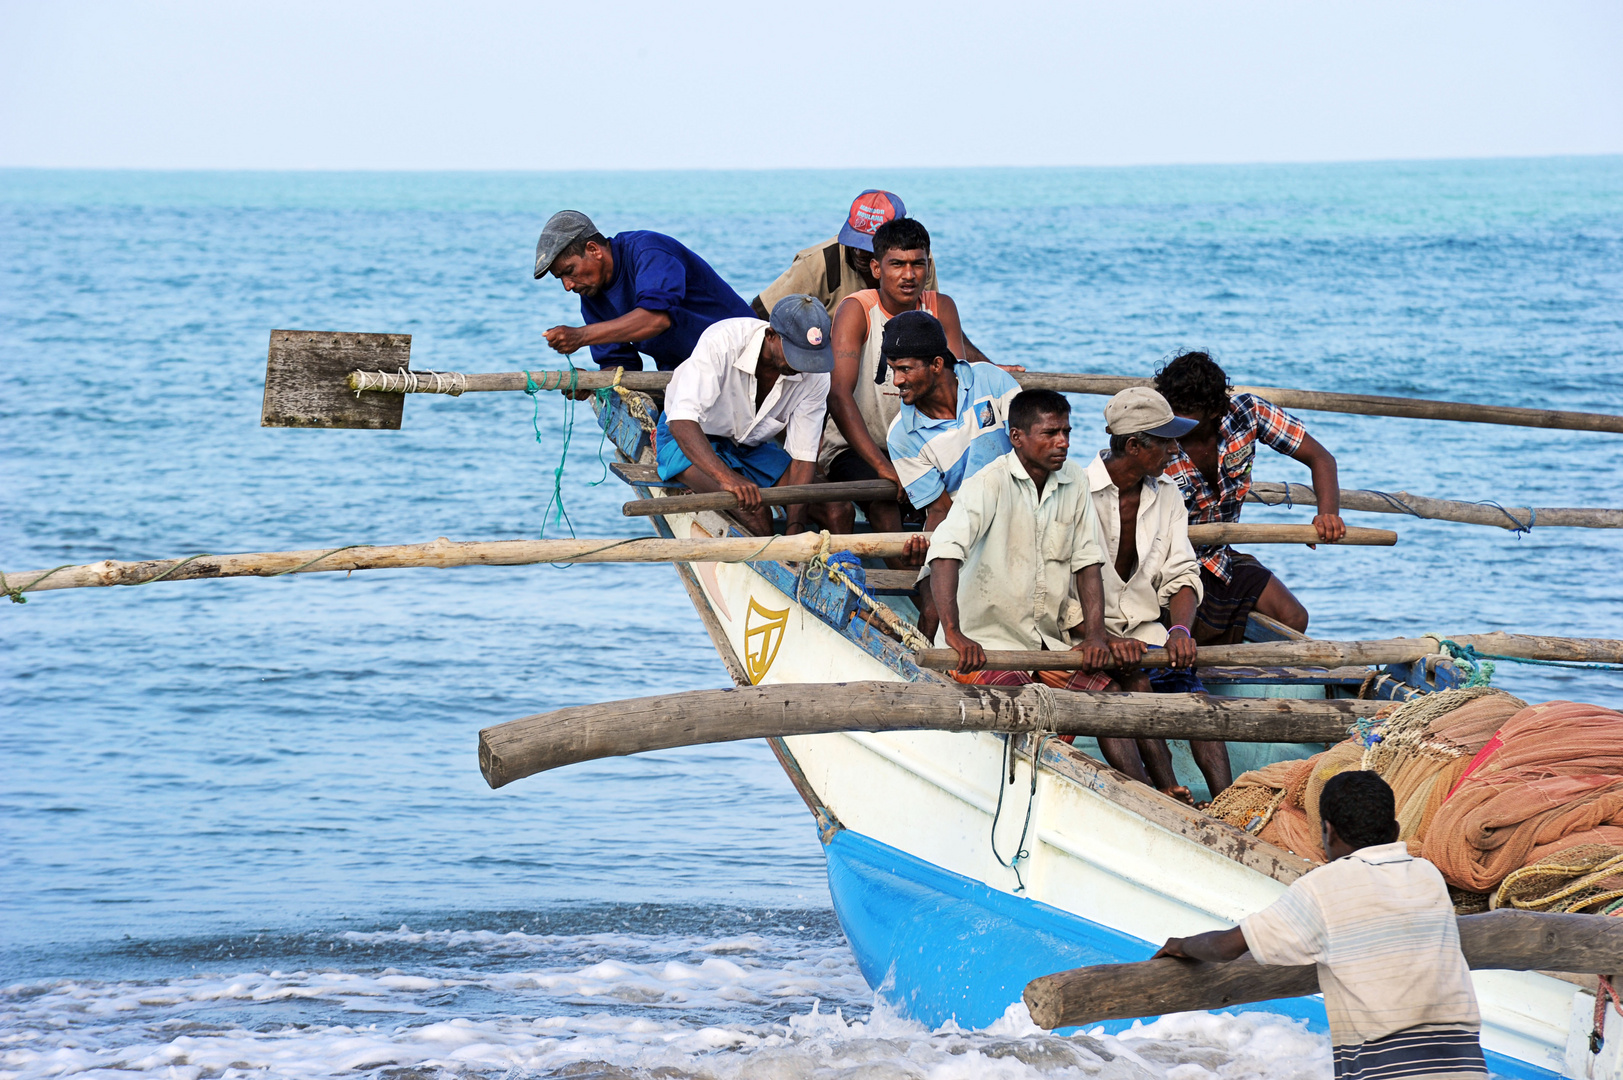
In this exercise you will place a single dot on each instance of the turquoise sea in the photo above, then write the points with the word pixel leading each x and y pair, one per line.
pixel 242 828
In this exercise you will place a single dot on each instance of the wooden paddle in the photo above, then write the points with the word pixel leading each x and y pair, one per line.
pixel 339 379
pixel 533 744
pixel 633 549
pixel 1496 941
pixel 1312 653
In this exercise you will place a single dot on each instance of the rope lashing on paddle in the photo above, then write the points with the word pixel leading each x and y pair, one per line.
pixel 1476 661
pixel 306 565
pixel 451 383
pixel 820 566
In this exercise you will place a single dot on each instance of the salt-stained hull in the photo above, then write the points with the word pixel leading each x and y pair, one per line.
pixel 919 829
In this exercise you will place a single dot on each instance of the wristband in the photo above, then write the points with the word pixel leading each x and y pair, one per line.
pixel 1185 629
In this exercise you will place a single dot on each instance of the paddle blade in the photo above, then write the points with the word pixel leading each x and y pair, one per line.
pixel 305 377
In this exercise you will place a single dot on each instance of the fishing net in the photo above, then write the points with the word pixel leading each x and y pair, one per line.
pixel 1586 878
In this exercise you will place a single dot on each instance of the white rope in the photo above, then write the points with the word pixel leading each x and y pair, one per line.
pixel 402 381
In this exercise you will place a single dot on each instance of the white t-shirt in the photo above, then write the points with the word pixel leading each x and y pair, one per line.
pixel 715 388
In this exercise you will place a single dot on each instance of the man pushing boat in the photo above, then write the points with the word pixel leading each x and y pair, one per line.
pixel 747 382
pixel 640 293
pixel 1149 566
pixel 1017 549
pixel 1380 925
pixel 1213 467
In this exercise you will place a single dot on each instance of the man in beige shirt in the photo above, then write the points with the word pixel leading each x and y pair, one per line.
pixel 1018 547
pixel 1150 566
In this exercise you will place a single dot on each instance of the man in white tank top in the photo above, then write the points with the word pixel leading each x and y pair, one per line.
pixel 862 398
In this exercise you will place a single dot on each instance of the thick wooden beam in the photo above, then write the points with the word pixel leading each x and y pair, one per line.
pixel 1497 941
pixel 1312 653
pixel 791 495
pixel 1239 532
pixel 1469 513
pixel 533 744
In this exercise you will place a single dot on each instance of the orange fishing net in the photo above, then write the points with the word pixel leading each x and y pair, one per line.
pixel 1551 779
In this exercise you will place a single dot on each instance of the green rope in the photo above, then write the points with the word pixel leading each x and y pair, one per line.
pixel 16 595
pixel 172 569
pixel 531 388
pixel 317 559
pixel 1481 663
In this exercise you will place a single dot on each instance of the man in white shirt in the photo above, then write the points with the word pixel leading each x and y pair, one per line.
pixel 746 382
pixel 1019 544
pixel 1380 925
pixel 1150 566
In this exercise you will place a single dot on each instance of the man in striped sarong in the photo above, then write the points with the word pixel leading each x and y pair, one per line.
pixel 1380 926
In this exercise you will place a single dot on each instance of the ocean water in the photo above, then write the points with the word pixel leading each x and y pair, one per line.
pixel 242 828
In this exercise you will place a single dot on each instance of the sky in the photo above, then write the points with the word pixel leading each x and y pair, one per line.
pixel 612 84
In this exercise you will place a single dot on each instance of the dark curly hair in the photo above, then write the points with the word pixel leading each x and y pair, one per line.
pixel 1361 807
pixel 901 234
pixel 1193 384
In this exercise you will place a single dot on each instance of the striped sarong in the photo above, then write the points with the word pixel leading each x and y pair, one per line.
pixel 1433 1052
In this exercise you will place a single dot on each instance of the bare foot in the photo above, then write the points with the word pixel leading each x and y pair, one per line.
pixel 1180 793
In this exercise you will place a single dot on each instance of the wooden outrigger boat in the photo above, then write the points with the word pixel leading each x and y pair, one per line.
pixel 971 853
pixel 959 874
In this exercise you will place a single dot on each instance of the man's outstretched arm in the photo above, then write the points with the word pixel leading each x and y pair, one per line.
pixel 1216 947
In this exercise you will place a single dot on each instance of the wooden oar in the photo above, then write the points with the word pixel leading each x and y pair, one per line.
pixel 1325 654
pixel 1515 518
pixel 635 549
pixel 338 379
pixel 1496 941
pixel 790 495
pixel 533 744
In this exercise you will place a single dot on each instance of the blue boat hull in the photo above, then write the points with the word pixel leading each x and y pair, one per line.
pixel 940 947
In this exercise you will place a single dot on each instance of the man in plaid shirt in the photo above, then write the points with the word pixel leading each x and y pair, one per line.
pixel 1213 469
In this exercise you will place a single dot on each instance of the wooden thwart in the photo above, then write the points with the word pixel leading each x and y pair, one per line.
pixel 533 744
pixel 1421 506
pixel 790 495
pixel 1315 654
pixel 1496 941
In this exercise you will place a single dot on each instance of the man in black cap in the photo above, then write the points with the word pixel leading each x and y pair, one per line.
pixel 746 382
pixel 640 292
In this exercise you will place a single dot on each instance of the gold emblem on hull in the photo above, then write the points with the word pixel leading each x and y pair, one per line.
pixel 763 633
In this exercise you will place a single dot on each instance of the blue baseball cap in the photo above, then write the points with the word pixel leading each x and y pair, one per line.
pixel 869 210
pixel 803 324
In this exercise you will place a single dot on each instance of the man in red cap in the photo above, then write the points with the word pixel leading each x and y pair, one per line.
pixel 836 268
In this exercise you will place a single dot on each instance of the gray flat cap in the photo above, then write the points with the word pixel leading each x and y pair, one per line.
pixel 561 230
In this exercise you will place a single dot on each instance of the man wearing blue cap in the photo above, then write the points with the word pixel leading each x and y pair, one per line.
pixel 640 292
pixel 747 382
pixel 836 268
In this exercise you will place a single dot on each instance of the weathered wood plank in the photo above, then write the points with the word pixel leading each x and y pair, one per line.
pixel 533 744
pixel 305 373
pixel 1496 941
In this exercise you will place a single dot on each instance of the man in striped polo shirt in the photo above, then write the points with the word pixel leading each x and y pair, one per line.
pixel 1380 926
pixel 952 422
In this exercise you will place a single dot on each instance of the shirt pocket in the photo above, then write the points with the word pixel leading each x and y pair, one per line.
pixel 1237 461
pixel 1060 538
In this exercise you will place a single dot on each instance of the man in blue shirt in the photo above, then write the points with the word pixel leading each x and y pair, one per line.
pixel 640 292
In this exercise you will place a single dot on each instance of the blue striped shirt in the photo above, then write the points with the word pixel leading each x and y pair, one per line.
pixel 935 456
